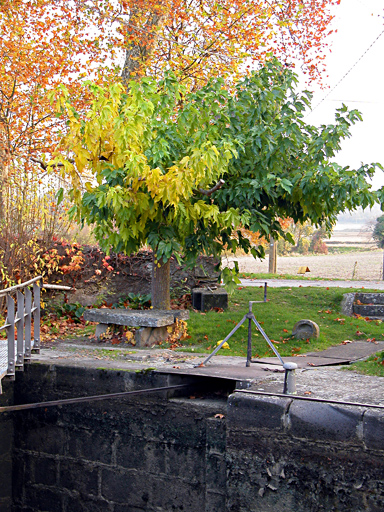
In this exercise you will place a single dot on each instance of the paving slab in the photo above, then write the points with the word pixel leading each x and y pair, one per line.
pixel 352 351
pixel 332 356
pixel 301 361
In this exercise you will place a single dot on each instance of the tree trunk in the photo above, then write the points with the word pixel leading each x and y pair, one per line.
pixel 160 286
pixel 137 53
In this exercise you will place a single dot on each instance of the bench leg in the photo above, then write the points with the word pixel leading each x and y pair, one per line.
pixel 100 329
pixel 148 336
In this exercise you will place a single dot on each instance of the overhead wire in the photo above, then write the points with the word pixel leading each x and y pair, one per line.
pixel 347 73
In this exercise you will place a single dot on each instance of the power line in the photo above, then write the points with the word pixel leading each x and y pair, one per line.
pixel 347 73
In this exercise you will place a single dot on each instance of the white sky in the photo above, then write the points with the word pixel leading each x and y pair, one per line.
pixel 359 23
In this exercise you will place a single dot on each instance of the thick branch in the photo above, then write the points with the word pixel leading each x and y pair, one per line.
pixel 209 192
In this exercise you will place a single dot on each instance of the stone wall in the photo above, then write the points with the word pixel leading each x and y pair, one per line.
pixel 201 454
pixel 6 447
pixel 130 274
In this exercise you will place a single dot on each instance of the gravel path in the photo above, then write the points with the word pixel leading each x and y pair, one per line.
pixel 362 266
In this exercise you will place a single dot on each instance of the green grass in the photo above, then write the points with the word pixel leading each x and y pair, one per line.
pixel 277 317
pixel 374 365
pixel 348 249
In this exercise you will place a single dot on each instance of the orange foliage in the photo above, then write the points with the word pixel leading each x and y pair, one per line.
pixel 46 42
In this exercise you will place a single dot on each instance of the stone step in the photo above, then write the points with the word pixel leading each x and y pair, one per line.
pixel 369 298
pixel 375 310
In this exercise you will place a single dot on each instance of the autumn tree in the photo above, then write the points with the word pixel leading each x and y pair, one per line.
pixel 155 154
pixel 158 154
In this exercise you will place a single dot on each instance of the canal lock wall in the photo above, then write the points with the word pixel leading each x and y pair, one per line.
pixel 192 450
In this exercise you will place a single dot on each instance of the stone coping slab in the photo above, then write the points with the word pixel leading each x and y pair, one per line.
pixel 338 355
pixel 135 318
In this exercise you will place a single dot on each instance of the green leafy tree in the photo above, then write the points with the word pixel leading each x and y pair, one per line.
pixel 378 232
pixel 151 156
pixel 155 156
pixel 284 166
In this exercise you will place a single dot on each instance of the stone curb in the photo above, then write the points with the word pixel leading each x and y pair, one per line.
pixel 307 420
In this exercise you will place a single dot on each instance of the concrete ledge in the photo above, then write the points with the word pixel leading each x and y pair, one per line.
pixel 373 430
pixel 321 421
pixel 347 304
pixel 249 411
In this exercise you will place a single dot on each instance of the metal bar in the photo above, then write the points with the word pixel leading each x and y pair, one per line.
pixel 94 398
pixel 18 286
pixel 20 331
pixel 27 323
pixel 249 347
pixel 11 335
pixel 267 339
pixel 5 326
pixel 222 343
pixel 265 291
pixel 36 317
pixel 307 398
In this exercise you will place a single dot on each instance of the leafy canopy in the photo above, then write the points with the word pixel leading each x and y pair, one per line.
pixel 146 153
pixel 151 151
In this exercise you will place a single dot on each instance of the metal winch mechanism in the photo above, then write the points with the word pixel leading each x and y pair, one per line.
pixel 290 373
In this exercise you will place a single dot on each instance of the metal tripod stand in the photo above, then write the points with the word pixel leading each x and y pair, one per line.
pixel 290 377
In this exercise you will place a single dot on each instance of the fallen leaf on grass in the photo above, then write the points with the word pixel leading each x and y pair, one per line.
pixel 346 342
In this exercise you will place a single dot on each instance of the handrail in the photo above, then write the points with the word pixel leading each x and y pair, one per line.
pixel 14 352
pixel 21 285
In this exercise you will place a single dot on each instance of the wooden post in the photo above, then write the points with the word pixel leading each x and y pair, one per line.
pixel 160 286
pixel 272 256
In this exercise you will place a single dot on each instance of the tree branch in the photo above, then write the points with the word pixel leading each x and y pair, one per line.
pixel 209 192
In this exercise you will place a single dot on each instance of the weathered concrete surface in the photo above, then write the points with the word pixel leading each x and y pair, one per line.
pixel 193 453
pixel 132 317
pixel 288 456
pixel 347 304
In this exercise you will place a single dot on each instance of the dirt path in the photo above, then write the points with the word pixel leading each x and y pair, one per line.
pixel 365 266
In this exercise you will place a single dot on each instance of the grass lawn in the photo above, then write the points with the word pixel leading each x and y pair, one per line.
pixel 374 365
pixel 277 317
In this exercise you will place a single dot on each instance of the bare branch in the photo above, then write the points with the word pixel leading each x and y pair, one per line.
pixel 209 192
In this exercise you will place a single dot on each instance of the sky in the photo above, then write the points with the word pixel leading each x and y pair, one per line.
pixel 358 24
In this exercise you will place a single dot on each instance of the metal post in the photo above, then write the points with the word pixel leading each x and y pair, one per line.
pixel 265 291
pixel 290 378
pixel 249 349
pixel 36 318
pixel 11 336
pixel 20 331
pixel 27 323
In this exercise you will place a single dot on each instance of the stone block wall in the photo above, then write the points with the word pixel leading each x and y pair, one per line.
pixel 288 455
pixel 144 453
pixel 6 447
pixel 159 453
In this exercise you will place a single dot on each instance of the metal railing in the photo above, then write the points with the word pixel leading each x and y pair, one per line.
pixel 15 351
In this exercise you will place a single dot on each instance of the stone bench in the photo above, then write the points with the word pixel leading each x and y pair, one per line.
pixel 153 324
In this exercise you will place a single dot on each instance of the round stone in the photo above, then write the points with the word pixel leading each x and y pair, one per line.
pixel 305 329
